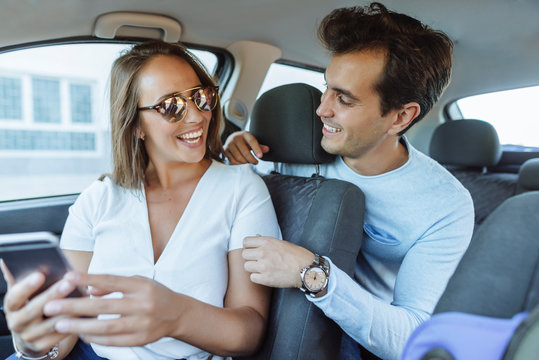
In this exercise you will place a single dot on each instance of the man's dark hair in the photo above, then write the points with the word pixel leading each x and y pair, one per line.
pixel 418 58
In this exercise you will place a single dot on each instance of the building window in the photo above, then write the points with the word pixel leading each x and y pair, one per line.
pixel 46 95
pixel 46 140
pixel 81 103
pixel 10 98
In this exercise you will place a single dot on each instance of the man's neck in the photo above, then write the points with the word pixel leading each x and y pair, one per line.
pixel 387 156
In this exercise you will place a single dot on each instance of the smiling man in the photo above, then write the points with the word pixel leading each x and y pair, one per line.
pixel 386 72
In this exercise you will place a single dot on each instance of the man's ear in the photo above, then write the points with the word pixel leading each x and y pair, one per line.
pixel 404 117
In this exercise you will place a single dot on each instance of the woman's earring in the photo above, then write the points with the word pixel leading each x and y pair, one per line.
pixel 140 134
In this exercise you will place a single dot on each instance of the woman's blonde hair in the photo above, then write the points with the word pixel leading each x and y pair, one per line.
pixel 130 159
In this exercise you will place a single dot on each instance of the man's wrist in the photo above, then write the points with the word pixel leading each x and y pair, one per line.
pixel 315 277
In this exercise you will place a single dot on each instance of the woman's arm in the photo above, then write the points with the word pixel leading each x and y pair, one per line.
pixel 238 328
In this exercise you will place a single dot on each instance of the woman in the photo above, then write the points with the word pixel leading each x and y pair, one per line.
pixel 167 229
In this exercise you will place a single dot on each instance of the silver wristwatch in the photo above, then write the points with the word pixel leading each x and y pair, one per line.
pixel 315 277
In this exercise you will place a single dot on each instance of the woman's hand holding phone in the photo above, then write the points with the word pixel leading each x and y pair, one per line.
pixel 146 312
pixel 33 332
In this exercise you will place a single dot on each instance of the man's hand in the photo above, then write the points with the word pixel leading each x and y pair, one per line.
pixel 273 262
pixel 238 148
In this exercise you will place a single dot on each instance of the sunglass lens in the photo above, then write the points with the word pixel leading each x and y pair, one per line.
pixel 173 108
pixel 205 98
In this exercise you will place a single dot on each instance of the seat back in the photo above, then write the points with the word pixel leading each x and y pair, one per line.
pixel 498 275
pixel 467 148
pixel 483 312
pixel 322 215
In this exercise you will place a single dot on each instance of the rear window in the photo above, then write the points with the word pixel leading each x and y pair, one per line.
pixel 54 121
pixel 281 74
pixel 513 114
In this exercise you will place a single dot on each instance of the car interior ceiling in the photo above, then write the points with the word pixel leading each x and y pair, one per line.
pixel 470 149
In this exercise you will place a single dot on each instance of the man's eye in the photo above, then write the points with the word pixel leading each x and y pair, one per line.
pixel 341 99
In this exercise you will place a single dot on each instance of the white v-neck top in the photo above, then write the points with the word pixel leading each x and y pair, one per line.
pixel 228 204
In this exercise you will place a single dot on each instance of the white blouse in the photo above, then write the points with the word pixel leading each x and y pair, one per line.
pixel 228 204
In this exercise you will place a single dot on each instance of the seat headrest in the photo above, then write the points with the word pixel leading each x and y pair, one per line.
pixel 284 118
pixel 466 143
pixel 528 176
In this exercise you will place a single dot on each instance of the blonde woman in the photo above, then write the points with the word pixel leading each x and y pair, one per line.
pixel 159 241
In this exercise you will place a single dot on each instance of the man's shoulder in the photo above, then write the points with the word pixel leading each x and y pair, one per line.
pixel 443 186
pixel 434 171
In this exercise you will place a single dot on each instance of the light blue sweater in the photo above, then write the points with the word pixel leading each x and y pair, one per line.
pixel 418 223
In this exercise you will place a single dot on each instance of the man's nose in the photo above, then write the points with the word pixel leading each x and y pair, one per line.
pixel 324 109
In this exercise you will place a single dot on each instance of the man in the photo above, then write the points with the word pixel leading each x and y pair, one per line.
pixel 386 72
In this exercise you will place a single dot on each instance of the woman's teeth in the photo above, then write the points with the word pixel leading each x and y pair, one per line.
pixel 191 137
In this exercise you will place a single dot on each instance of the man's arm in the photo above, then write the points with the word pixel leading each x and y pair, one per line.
pixel 383 328
pixel 273 262
pixel 238 148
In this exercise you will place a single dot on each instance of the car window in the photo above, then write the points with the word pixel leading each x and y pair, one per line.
pixel 54 121
pixel 512 113
pixel 280 74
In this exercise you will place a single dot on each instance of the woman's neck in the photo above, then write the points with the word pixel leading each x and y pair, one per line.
pixel 167 176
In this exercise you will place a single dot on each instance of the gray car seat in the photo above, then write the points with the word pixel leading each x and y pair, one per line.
pixel 498 275
pixel 467 148
pixel 528 176
pixel 323 215
pixel 497 278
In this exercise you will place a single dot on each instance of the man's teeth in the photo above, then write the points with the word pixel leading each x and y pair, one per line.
pixel 191 137
pixel 331 129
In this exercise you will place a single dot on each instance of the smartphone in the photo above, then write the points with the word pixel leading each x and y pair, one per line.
pixel 24 253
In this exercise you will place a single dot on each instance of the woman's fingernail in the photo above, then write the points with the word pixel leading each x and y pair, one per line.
pixel 72 276
pixel 51 308
pixel 62 326
pixel 35 278
pixel 65 287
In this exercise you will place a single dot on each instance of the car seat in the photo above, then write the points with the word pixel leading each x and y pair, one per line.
pixel 323 215
pixel 528 176
pixel 496 282
pixel 467 148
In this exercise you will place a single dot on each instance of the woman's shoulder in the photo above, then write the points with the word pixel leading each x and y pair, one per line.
pixel 102 188
pixel 240 178
pixel 99 186
pixel 235 172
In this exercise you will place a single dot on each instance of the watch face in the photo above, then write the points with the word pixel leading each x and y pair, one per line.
pixel 315 279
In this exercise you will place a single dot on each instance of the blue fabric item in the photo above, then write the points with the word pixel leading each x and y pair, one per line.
pixel 464 336
pixel 81 351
